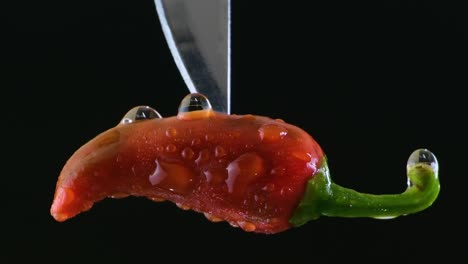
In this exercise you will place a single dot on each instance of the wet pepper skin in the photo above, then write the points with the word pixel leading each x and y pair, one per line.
pixel 250 171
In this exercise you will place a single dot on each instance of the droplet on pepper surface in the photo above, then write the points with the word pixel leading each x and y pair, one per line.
pixel 140 113
pixel 119 195
pixel 196 142
pixel 220 152
pixel 305 156
pixel 187 153
pixel 269 187
pixel 272 132
pixel 171 148
pixel 215 175
pixel 171 132
pixel 157 199
pixel 173 177
pixel 203 156
pixel 194 106
pixel 278 171
pixel 183 206
pixel 246 226
pixel 244 170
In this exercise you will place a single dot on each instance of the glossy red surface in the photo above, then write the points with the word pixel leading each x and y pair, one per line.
pixel 248 170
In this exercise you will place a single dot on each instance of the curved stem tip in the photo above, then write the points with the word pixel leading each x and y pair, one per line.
pixel 323 197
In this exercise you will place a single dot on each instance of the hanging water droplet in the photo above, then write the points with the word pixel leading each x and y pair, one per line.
pixel 246 226
pixel 157 199
pixel 183 206
pixel 212 218
pixel 139 113
pixel 423 156
pixel 119 195
pixel 193 106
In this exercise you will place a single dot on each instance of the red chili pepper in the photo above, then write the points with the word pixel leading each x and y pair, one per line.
pixel 260 174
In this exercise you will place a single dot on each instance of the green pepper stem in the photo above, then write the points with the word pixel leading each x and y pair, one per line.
pixel 323 197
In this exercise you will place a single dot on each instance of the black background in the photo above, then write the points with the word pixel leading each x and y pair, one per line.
pixel 370 81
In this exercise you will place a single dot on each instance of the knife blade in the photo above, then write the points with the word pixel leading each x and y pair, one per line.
pixel 198 33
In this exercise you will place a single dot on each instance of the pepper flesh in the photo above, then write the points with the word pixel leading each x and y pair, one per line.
pixel 250 171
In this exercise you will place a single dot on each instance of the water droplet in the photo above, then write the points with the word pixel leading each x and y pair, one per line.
pixel 159 148
pixel 260 199
pixel 140 113
pixel 208 175
pixel 171 132
pixel 423 156
pixel 269 187
pixel 272 132
pixel 187 153
pixel 278 171
pixel 194 106
pixel 171 148
pixel 243 170
pixel 183 206
pixel 215 175
pixel 274 220
pixel 157 199
pixel 209 137
pixel 384 217
pixel 280 120
pixel 212 218
pixel 203 156
pixel 220 152
pixel 246 226
pixel 119 195
pixel 158 175
pixel 196 142
pixel 302 155
pixel 173 177
pixel 284 190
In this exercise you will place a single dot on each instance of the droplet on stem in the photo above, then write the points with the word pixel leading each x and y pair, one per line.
pixel 423 156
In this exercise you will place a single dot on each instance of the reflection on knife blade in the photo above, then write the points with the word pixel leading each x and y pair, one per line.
pixel 198 35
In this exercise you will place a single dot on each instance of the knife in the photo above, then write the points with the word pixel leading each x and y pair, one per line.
pixel 198 33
